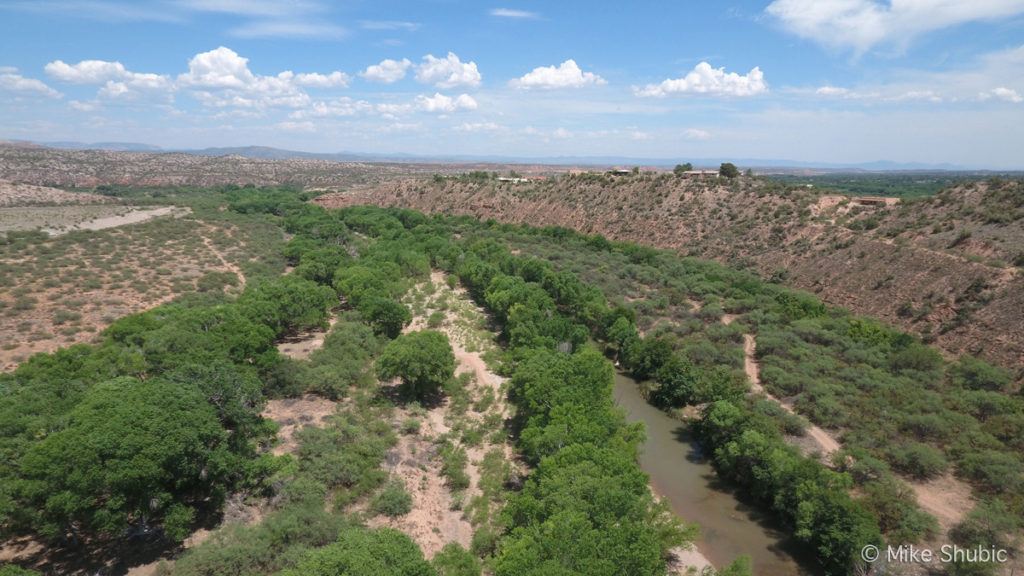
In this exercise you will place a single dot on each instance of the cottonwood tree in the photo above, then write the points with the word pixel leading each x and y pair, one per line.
pixel 423 361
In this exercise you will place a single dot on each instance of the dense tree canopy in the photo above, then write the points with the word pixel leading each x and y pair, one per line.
pixel 422 360
pixel 132 450
pixel 288 304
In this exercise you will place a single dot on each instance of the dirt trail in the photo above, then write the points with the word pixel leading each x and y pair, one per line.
pixel 825 442
pixel 946 498
pixel 232 267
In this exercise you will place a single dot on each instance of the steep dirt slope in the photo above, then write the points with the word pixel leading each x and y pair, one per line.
pixel 945 267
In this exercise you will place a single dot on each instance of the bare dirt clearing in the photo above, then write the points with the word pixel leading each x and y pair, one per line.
pixel 434 520
pixel 946 498
pixel 25 218
pixel 300 346
pixel 13 194
pixel 439 514
pixel 126 217
pixel 292 414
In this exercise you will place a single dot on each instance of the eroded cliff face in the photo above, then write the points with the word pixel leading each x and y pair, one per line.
pixel 947 267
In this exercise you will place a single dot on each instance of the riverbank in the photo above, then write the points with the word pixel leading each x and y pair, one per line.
pixel 681 477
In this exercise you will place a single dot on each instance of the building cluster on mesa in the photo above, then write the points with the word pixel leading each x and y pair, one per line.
pixel 696 174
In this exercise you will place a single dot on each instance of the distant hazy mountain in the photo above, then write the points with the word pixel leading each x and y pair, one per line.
pixel 270 153
pixel 109 146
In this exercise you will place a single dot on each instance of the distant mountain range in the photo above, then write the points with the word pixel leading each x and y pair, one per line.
pixel 270 153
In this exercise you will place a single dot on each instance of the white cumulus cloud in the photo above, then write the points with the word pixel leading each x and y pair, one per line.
pixel 18 84
pixel 708 81
pixel 446 104
pixel 566 75
pixel 86 71
pixel 219 68
pixel 387 71
pixel 1002 93
pixel 223 79
pixel 117 80
pixel 861 25
pixel 447 72
pixel 334 79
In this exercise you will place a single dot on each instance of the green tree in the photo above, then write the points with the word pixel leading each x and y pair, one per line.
pixel 12 570
pixel 422 360
pixel 363 552
pixel 681 168
pixel 728 170
pixel 387 316
pixel 204 335
pixel 133 453
pixel 976 374
pixel 677 383
pixel 393 500
pixel 287 304
pixel 454 560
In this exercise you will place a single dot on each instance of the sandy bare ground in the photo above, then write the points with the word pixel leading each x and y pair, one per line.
pixel 12 194
pixel 826 443
pixel 291 414
pixel 946 498
pixel 134 216
pixel 433 522
pixel 687 561
pixel 300 346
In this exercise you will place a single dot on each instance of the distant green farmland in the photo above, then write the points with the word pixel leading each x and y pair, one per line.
pixel 902 184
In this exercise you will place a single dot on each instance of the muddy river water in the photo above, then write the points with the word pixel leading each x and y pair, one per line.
pixel 729 527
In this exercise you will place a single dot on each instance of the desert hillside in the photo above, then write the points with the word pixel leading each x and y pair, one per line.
pixel 89 168
pixel 946 267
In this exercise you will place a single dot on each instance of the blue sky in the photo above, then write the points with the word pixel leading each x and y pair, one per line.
pixel 811 80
